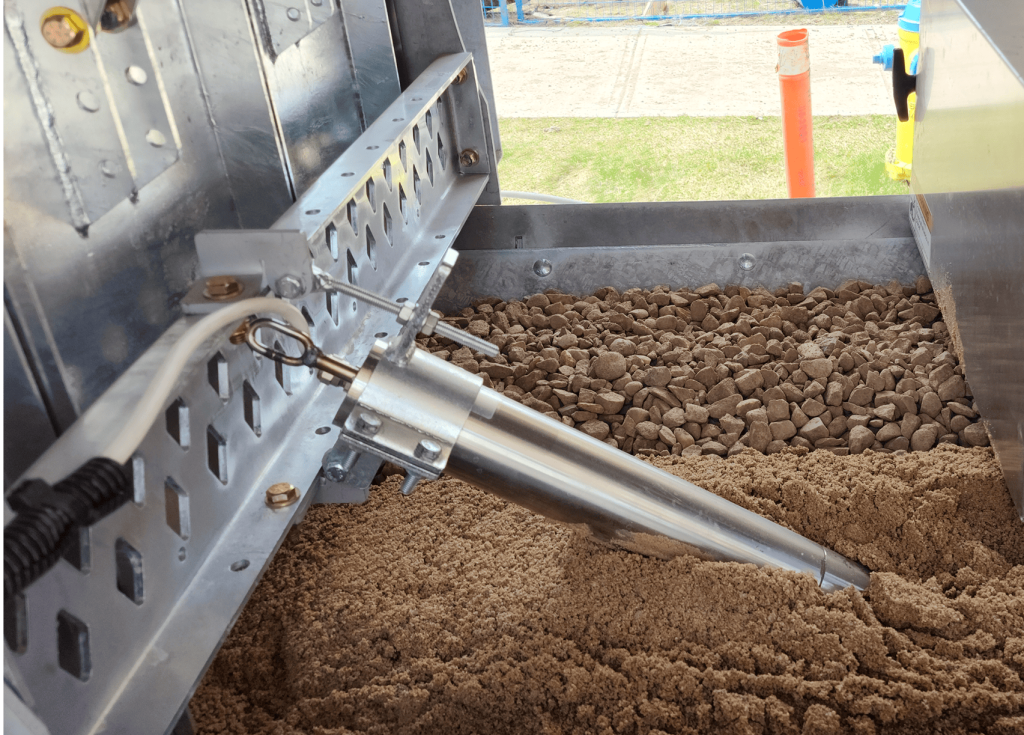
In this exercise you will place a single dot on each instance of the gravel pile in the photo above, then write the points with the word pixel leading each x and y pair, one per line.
pixel 712 370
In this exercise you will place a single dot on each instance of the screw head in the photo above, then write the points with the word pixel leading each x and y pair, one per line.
pixel 747 261
pixel 289 287
pixel 60 31
pixel 469 157
pixel 222 288
pixel 282 494
pixel 367 423
pixel 543 267
pixel 428 450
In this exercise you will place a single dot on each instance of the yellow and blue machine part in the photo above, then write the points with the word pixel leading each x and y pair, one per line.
pixel 899 160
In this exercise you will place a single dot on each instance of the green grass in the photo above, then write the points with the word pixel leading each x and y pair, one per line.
pixel 689 158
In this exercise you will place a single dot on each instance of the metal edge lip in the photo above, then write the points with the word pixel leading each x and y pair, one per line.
pixel 396 122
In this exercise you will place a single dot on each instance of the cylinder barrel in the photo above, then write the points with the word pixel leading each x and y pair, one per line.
pixel 525 457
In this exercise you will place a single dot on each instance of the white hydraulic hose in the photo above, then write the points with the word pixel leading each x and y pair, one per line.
pixel 152 401
pixel 534 197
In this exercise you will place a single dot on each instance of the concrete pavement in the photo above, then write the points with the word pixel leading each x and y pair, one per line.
pixel 646 71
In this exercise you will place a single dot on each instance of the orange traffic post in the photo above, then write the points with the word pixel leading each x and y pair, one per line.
pixel 795 85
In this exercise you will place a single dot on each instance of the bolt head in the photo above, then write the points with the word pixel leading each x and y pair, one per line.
pixel 461 77
pixel 428 450
pixel 289 287
pixel 223 288
pixel 59 32
pixel 469 157
pixel 367 423
pixel 334 471
pixel 282 494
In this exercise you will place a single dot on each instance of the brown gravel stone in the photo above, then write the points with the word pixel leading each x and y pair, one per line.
pixel 860 356
pixel 861 438
pixel 609 366
pixel 924 438
pixel 976 435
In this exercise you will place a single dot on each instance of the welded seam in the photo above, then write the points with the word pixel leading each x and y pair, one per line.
pixel 30 70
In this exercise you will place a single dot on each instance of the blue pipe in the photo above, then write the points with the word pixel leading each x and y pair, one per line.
pixel 697 16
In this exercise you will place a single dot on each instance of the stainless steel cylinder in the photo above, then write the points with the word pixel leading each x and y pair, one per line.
pixel 561 473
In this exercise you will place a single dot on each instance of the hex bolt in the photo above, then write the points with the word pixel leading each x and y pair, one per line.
pixel 282 494
pixel 428 450
pixel 410 483
pixel 461 77
pixel 338 463
pixel 223 288
pixel 289 287
pixel 367 423
pixel 469 157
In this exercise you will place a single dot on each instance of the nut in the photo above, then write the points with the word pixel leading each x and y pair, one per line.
pixel 469 157
pixel 289 286
pixel 463 74
pixel 282 494
pixel 223 288
pixel 238 336
pixel 64 30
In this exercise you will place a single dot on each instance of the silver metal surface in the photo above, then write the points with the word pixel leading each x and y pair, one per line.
pixel 518 454
pixel 312 84
pixel 424 30
pixel 579 248
pixel 26 419
pixel 391 409
pixel 969 178
pixel 91 305
pixel 373 56
pixel 199 507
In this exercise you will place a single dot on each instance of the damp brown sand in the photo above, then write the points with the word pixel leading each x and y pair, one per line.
pixel 452 611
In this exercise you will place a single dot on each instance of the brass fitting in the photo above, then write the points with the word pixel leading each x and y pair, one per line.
pixel 282 494
pixel 65 30
pixel 222 288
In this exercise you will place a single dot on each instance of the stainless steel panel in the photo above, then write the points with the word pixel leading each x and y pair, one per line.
pixel 315 99
pixel 373 55
pixel 26 422
pixel 95 303
pixel 685 223
pixel 510 252
pixel 423 31
pixel 148 658
pixel 969 175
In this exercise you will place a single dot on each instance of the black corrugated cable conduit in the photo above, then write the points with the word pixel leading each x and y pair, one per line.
pixel 49 516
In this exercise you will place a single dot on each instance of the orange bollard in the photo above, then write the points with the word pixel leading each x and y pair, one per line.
pixel 795 84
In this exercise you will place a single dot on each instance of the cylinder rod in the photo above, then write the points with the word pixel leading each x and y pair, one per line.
pixel 522 456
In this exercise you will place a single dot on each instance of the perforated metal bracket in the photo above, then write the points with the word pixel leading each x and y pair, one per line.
pixel 409 415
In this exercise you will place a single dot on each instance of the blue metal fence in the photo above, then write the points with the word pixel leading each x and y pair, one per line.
pixel 514 12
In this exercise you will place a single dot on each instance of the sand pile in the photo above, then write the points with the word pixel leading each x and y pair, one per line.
pixel 451 611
